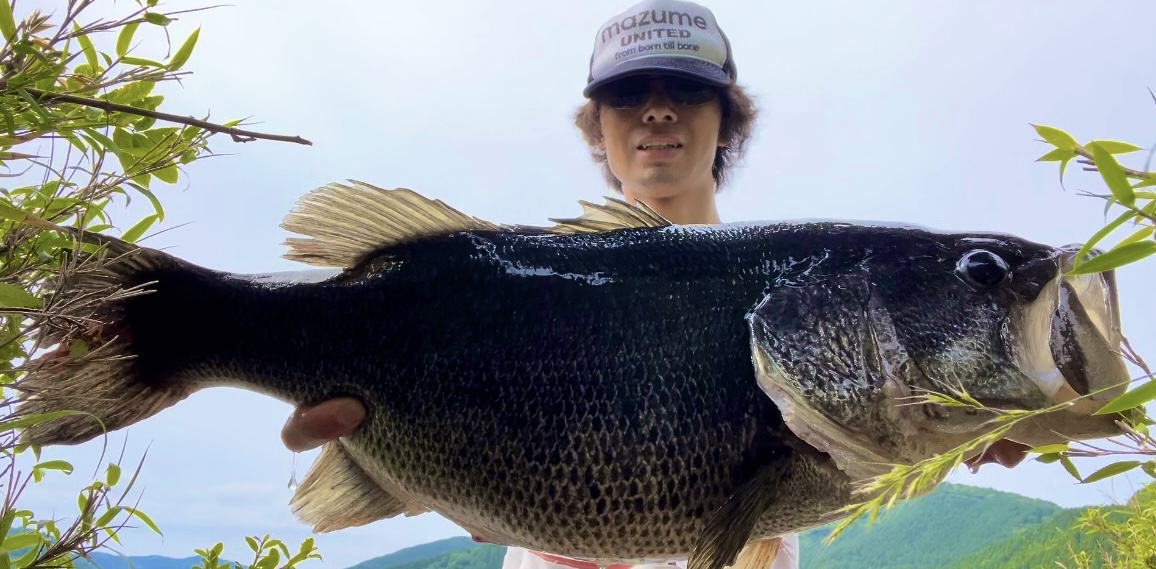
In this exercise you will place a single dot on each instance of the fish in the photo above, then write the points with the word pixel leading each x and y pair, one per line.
pixel 610 388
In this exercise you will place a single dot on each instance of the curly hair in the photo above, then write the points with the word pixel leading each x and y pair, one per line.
pixel 738 121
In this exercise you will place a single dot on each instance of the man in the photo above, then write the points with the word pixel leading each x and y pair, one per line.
pixel 666 120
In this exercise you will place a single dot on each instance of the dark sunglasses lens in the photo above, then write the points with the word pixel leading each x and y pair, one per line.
pixel 686 92
pixel 627 93
pixel 632 92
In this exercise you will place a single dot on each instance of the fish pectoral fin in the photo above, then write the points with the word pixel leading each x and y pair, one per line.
pixel 825 353
pixel 759 554
pixel 727 533
pixel 337 494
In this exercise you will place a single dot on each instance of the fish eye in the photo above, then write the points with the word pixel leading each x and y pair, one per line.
pixel 983 269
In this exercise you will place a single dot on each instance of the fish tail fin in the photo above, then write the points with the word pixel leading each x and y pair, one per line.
pixel 85 382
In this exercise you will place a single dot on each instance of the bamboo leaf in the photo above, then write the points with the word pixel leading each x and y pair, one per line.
pixel 7 21
pixel 1117 257
pixel 182 54
pixel 139 228
pixel 124 38
pixel 1111 470
pixel 13 296
pixel 1056 137
pixel 1113 146
pixel 1113 176
pixel 1130 399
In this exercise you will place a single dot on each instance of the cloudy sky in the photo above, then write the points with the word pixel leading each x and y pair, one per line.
pixel 901 110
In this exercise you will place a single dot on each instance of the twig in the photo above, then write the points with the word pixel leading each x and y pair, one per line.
pixel 1091 162
pixel 237 134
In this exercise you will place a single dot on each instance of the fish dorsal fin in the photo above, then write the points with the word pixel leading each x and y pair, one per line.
pixel 616 214
pixel 342 223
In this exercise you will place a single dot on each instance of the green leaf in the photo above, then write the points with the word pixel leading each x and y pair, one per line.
pixel 1048 458
pixel 1071 468
pixel 1113 146
pixel 112 476
pixel 137 230
pixel 168 174
pixel 130 60
pixel 61 465
pixel 12 296
pixel 1056 155
pixel 1149 468
pixel 1114 176
pixel 107 516
pixel 87 48
pixel 1130 399
pixel 130 93
pixel 18 541
pixel 1049 449
pixel 7 22
pixel 1111 470
pixel 1142 233
pixel 144 518
pixel 252 543
pixel 182 54
pixel 157 18
pixel 9 212
pixel 1056 137
pixel 19 423
pixel 1117 257
pixel 124 38
pixel 1146 183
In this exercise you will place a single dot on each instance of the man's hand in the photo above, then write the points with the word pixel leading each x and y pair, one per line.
pixel 311 427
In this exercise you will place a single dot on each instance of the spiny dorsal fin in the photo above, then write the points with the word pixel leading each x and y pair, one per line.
pixel 344 222
pixel 338 494
pixel 616 214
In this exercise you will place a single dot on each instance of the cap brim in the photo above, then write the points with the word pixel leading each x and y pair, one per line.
pixel 688 67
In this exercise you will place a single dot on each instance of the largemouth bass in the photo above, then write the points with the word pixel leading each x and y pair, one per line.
pixel 609 388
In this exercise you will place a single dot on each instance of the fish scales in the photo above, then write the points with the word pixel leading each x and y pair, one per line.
pixel 612 388
pixel 626 432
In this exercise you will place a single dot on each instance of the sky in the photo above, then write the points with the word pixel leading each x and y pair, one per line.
pixel 905 111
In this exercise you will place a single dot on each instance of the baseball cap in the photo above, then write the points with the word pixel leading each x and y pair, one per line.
pixel 662 36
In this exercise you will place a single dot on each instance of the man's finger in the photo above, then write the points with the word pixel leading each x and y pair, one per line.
pixel 311 427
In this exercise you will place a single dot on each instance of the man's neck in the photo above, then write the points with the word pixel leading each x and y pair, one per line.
pixel 686 208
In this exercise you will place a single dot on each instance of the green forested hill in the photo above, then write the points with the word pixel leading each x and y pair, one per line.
pixel 453 553
pixel 954 527
pixel 1037 546
pixel 930 532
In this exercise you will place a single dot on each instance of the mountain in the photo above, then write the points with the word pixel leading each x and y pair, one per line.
pixel 452 553
pixel 932 531
pixel 953 527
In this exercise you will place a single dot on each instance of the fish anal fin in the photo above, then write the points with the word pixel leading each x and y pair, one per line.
pixel 758 554
pixel 615 214
pixel 344 222
pixel 727 533
pixel 338 494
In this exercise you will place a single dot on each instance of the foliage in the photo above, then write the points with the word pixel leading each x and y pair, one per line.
pixel 79 129
pixel 1125 192
pixel 1131 531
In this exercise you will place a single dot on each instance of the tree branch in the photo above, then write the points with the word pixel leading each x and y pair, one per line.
pixel 1091 166
pixel 237 134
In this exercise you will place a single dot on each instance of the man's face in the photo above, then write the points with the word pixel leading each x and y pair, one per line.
pixel 660 134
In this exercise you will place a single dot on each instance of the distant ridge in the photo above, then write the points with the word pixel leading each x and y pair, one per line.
pixel 954 527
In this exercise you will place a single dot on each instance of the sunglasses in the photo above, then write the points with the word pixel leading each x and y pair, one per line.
pixel 634 91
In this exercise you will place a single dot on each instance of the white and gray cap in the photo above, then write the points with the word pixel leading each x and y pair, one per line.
pixel 662 36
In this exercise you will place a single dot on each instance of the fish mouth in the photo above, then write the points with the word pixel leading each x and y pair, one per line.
pixel 1069 342
pixel 1070 346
